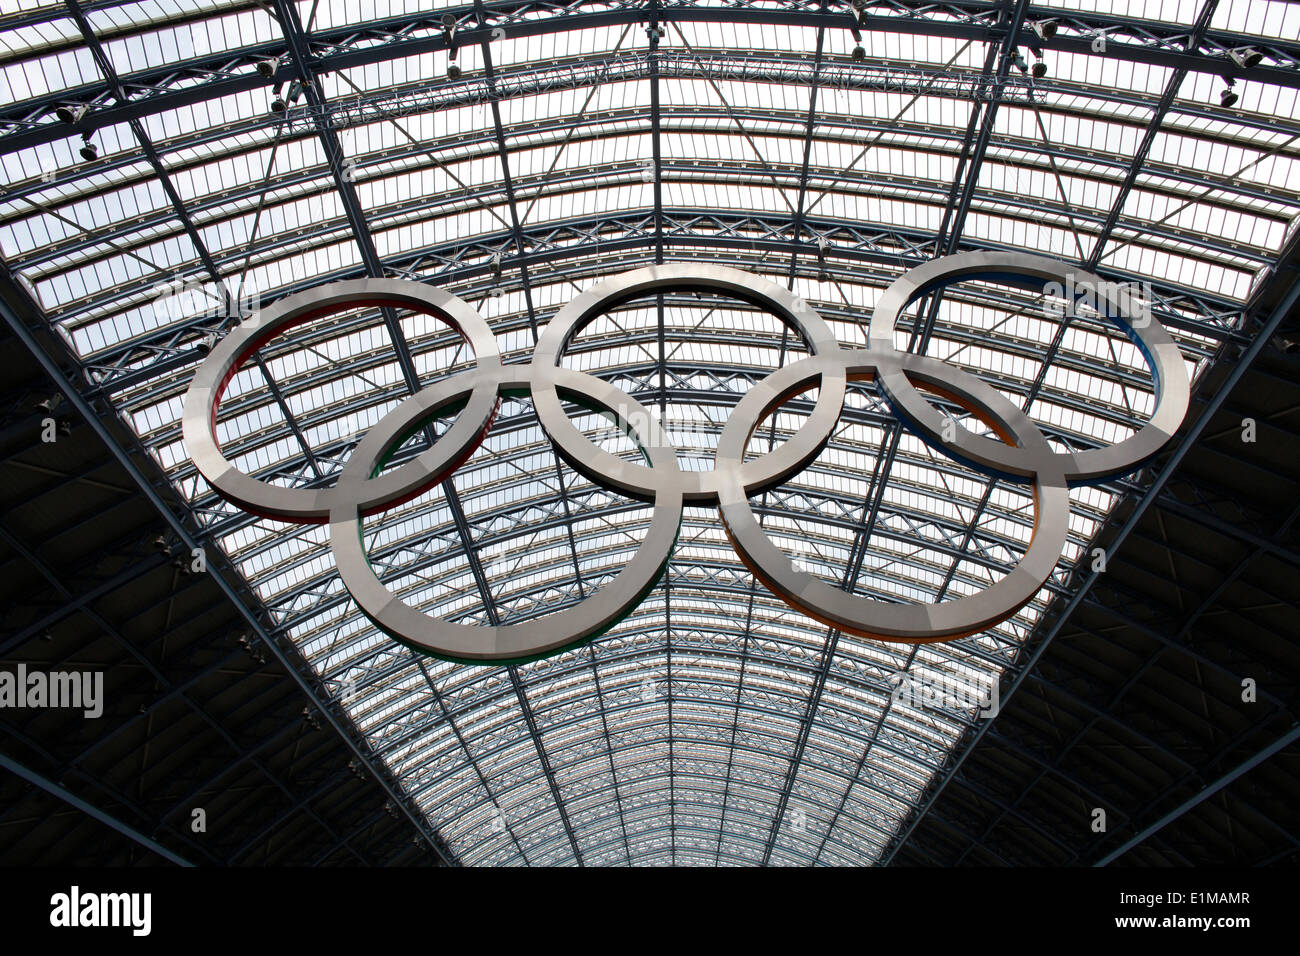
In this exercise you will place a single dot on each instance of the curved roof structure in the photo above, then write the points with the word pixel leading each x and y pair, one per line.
pixel 172 166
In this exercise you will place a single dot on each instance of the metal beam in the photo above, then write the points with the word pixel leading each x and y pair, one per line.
pixel 1282 742
pixel 230 71
pixel 1153 129
pixel 189 540
pixel 90 810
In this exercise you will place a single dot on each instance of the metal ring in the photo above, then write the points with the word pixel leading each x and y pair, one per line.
pixel 906 623
pixel 312 505
pixel 696 486
pixel 507 643
pixel 1030 271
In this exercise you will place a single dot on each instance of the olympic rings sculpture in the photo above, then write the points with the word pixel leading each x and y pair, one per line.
pixel 1023 454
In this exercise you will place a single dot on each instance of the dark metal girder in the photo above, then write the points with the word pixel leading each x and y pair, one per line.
pixel 1270 545
pixel 1204 794
pixel 834 127
pixel 89 809
pixel 239 750
pixel 744 232
pixel 972 21
pixel 1153 129
pixel 8 305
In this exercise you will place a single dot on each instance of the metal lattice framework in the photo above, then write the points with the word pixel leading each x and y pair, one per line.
pixel 583 139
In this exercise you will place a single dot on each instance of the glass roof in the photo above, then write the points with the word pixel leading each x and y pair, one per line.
pixel 579 140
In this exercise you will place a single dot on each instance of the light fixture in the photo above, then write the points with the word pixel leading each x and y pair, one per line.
pixel 1246 57
pixel 449 34
pixel 206 344
pixel 1046 29
pixel 859 54
pixel 268 67
pixel 1228 97
pixel 89 151
pixel 1039 70
pixel 72 113
pixel 1018 59
pixel 277 104
pixel 49 404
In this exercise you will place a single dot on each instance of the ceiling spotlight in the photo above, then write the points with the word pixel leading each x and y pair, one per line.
pixel 1245 57
pixel 268 67
pixel 1287 344
pixel 89 151
pixel 49 404
pixel 1019 60
pixel 859 54
pixel 1044 28
pixel 1227 97
pixel 453 71
pixel 277 104
pixel 1040 70
pixel 72 114
pixel 206 344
